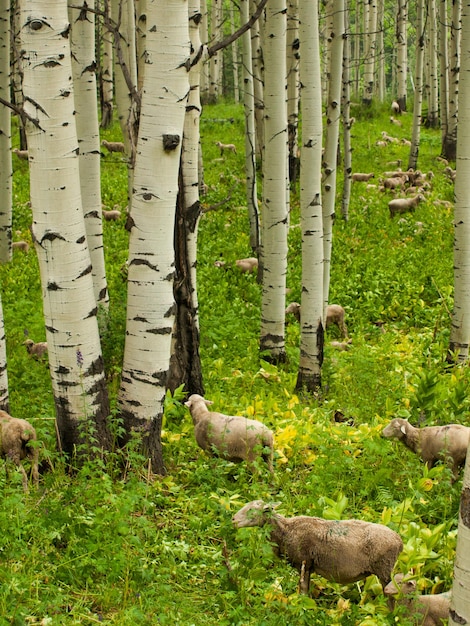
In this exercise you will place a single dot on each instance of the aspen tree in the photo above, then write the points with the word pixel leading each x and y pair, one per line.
pixel 443 73
pixel 347 121
pixel 454 55
pixel 402 53
pixel 6 170
pixel 418 96
pixel 4 395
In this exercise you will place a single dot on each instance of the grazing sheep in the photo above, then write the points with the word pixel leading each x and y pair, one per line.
pixel 21 154
pixel 342 346
pixel 430 610
pixel 381 144
pixel 404 205
pixel 395 182
pixel 226 146
pixel 432 443
pixel 232 437
pixel 36 349
pixel 15 435
pixel 334 315
pixel 247 266
pixel 342 551
pixel 406 142
pixel 386 137
pixel 448 171
pixel 113 146
pixel 20 245
pixel 394 121
pixel 396 107
pixel 358 177
pixel 111 215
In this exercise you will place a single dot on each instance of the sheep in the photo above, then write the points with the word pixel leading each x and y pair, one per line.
pixel 20 245
pixel 394 182
pixel 226 146
pixel 113 146
pixel 395 107
pixel 448 171
pixel 247 266
pixel 334 315
pixel 21 154
pixel 342 551
pixel 406 142
pixel 432 443
pixel 15 435
pixel 111 215
pixel 381 144
pixel 428 610
pixel 388 138
pixel 36 349
pixel 404 205
pixel 342 346
pixel 358 177
pixel 394 121
pixel 231 437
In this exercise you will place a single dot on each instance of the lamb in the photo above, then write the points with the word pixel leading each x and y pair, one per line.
pixel 113 146
pixel 234 438
pixel 404 205
pixel 111 215
pixel 20 245
pixel 334 315
pixel 248 265
pixel 428 610
pixel 432 443
pixel 341 551
pixel 21 154
pixel 342 346
pixel 359 177
pixel 15 435
pixel 394 121
pixel 226 146
pixel 396 107
pixel 36 349
pixel 388 138
pixel 394 182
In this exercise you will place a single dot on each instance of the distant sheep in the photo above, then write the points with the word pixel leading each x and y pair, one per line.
pixel 111 215
pixel 342 551
pixel 404 205
pixel 36 349
pixel 15 435
pixel 246 266
pixel 396 182
pixel 20 245
pixel 395 107
pixel 232 437
pixel 432 443
pixel 430 610
pixel 359 177
pixel 21 154
pixel 335 314
pixel 113 146
pixel 342 346
pixel 394 121
pixel 226 147
pixel 388 138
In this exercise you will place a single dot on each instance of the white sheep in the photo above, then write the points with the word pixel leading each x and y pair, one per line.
pixel 394 121
pixel 428 610
pixel 395 182
pixel 113 146
pixel 335 314
pixel 404 205
pixel 248 265
pixel 15 435
pixel 341 551
pixel 21 154
pixel 36 349
pixel 395 107
pixel 359 177
pixel 111 215
pixel 20 245
pixel 232 437
pixel 432 443
pixel 226 146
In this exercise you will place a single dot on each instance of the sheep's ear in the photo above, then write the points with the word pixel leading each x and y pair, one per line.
pixel 208 402
pixel 403 429
pixel 270 506
pixel 188 404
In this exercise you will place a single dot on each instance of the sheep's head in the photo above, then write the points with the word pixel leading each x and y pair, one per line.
pixel 196 398
pixel 255 513
pixel 396 429
pixel 400 585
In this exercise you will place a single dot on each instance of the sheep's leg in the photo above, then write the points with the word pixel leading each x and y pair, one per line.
pixel 24 477
pixel 344 330
pixel 304 582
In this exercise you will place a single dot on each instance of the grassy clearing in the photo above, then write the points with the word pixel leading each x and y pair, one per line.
pixel 99 547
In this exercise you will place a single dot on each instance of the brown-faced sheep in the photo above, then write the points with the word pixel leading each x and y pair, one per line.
pixel 395 182
pixel 111 215
pixel 359 177
pixel 20 245
pixel 335 314
pixel 432 443
pixel 430 610
pixel 394 121
pixel 230 147
pixel 21 154
pixel 36 349
pixel 15 435
pixel 248 265
pixel 231 437
pixel 404 205
pixel 342 551
pixel 395 107
pixel 113 146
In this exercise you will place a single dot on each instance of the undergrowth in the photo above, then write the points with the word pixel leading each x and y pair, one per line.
pixel 99 546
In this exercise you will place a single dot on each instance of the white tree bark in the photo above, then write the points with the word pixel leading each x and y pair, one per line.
pixel 258 80
pixel 460 602
pixel 150 307
pixel 443 72
pixel 402 53
pixel 293 85
pixel 333 115
pixel 418 95
pixel 433 92
pixel 454 55
pixel 86 116
pixel 107 74
pixel 370 50
pixel 250 132
pixel 311 340
pixel 347 121
pixel 274 210
pixel 6 170
pixel 215 62
pixel 58 227
pixel 4 395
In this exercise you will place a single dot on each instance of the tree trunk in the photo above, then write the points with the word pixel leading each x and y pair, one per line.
pixel 370 51
pixel 150 304
pixel 347 121
pixel 451 139
pixel 58 229
pixel 311 340
pixel 107 74
pixel 6 170
pixel 274 211
pixel 443 73
pixel 293 87
pixel 4 396
pixel 432 119
pixel 402 53
pixel 460 602
pixel 418 96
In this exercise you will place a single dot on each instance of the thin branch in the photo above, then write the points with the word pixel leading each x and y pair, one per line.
pixel 238 33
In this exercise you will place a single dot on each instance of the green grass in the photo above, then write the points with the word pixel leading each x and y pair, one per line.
pixel 99 547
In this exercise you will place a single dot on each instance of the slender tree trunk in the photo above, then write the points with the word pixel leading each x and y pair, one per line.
pixel 205 70
pixel 380 54
pixel 140 36
pixel 107 74
pixel 418 96
pixel 274 212
pixel 347 121
pixel 370 52
pixel 86 116
pixel 4 396
pixel 433 99
pixel 311 341
pixel 58 228
pixel 6 170
pixel 460 602
pixel 258 82
pixel 215 62
pixel 150 304
pixel 293 86
pixel 443 72
pixel 235 58
pixel 451 140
